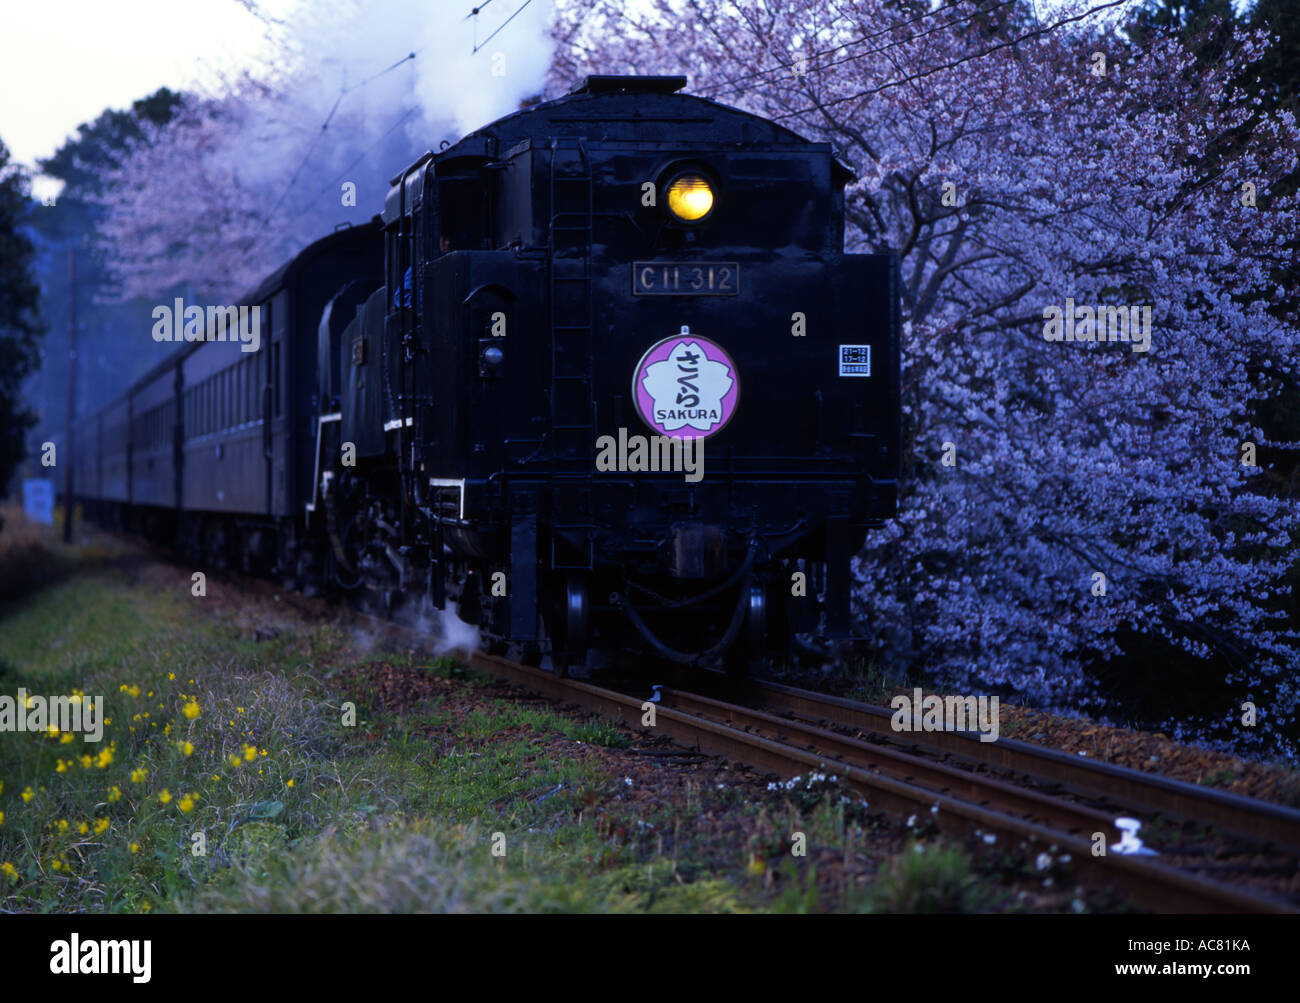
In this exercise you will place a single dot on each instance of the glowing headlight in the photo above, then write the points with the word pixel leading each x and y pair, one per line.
pixel 690 198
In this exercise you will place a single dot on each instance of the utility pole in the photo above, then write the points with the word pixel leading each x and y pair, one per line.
pixel 71 395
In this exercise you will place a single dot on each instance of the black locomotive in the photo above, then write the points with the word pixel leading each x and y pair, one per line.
pixel 600 375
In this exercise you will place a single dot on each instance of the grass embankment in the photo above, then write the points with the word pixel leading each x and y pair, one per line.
pixel 232 776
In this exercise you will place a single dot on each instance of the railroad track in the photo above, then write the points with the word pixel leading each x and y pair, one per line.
pixel 1039 797
pixel 958 801
pixel 1261 823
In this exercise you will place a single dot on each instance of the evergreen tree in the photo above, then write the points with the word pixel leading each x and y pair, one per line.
pixel 20 324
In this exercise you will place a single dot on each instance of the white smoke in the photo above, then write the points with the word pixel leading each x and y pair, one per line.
pixel 452 635
pixel 387 81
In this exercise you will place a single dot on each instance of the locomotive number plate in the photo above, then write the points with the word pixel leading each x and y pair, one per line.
pixel 685 278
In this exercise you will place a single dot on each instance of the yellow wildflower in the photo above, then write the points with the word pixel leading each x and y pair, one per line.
pixel 101 825
pixel 165 797
pixel 137 776
pixel 62 767
pixel 83 828
pixel 250 753
pixel 187 804
pixel 187 748
pixel 114 794
pixel 104 758
pixel 52 730
pixel 234 760
pixel 66 738
pixel 290 783
pixel 86 760
pixel 191 709
pixel 171 675
pixel 9 871
pixel 28 795
pixel 133 847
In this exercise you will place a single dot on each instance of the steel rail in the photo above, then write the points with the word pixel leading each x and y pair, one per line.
pixel 1259 822
pixel 1155 884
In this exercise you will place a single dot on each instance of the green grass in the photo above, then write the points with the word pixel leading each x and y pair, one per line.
pixel 929 878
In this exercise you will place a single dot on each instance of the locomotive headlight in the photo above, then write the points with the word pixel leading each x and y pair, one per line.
pixel 690 197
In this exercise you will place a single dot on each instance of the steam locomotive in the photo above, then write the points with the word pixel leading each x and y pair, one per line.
pixel 600 376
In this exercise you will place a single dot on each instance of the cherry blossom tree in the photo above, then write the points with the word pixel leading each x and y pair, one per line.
pixel 344 92
pixel 1058 497
pixel 182 207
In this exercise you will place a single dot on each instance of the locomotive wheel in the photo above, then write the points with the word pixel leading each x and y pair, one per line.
pixel 747 653
pixel 568 625
pixel 577 628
